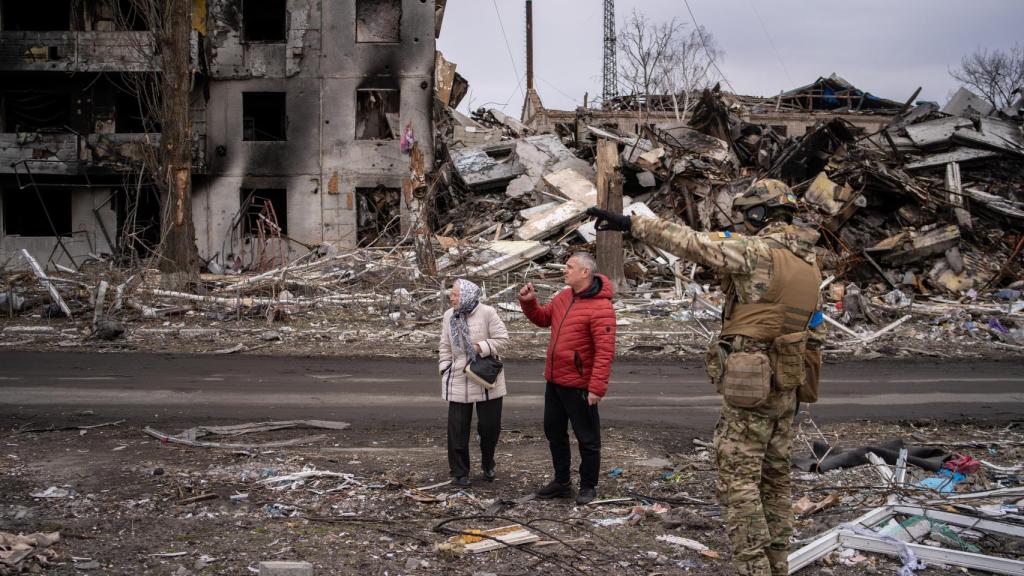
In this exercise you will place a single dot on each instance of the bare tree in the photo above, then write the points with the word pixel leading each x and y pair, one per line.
pixel 643 47
pixel 665 59
pixel 688 67
pixel 995 74
pixel 163 98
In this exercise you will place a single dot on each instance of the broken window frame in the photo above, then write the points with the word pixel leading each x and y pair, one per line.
pixel 250 208
pixel 251 134
pixel 363 204
pixel 59 117
pixel 394 102
pixel 360 6
pixel 841 536
pixel 248 23
pixel 24 217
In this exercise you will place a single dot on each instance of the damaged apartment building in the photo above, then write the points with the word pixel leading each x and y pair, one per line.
pixel 298 109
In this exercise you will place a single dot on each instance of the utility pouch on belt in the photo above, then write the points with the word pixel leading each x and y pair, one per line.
pixel 808 390
pixel 747 379
pixel 787 357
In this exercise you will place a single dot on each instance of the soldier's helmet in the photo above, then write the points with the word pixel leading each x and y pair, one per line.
pixel 768 193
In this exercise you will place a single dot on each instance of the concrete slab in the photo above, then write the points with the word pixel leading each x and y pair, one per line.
pixel 278 568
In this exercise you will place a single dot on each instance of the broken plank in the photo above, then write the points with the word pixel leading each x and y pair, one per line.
pixel 550 222
pixel 885 330
pixel 936 132
pixel 201 444
pixel 954 155
pixel 572 185
pixel 45 281
pixel 266 427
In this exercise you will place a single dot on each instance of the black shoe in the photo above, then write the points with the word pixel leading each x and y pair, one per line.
pixel 461 481
pixel 490 475
pixel 555 489
pixel 586 496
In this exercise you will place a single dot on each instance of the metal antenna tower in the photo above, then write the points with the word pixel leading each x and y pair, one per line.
pixel 609 74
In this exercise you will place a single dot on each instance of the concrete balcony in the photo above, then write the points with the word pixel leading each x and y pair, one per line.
pixel 69 154
pixel 77 52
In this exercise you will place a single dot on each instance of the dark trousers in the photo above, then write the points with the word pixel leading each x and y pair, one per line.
pixel 563 405
pixel 488 426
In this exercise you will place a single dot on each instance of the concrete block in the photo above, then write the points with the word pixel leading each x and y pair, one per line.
pixel 277 568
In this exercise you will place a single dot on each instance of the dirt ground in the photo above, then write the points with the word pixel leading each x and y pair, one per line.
pixel 127 505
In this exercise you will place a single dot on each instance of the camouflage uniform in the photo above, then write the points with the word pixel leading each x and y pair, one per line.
pixel 752 446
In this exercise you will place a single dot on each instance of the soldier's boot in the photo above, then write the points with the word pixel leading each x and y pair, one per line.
pixel 779 560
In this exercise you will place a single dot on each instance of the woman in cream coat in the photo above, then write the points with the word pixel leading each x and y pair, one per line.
pixel 470 329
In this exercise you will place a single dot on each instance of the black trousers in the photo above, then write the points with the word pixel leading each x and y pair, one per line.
pixel 488 426
pixel 563 405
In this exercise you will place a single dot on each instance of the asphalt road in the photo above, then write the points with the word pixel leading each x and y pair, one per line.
pixel 145 388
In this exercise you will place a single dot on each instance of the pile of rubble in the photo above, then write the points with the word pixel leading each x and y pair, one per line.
pixel 923 216
pixel 923 219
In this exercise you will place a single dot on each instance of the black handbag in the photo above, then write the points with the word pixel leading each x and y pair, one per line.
pixel 484 370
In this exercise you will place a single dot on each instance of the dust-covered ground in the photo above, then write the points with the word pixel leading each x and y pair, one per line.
pixel 127 503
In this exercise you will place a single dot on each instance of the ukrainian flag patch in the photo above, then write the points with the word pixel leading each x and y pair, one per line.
pixel 725 234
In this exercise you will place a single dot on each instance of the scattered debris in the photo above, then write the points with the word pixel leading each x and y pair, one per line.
pixel 29 553
pixel 188 437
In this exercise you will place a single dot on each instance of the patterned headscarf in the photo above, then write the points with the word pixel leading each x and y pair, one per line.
pixel 469 297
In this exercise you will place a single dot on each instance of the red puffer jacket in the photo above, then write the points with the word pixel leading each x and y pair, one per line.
pixel 582 342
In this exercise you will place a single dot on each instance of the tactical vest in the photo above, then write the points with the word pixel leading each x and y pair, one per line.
pixel 786 307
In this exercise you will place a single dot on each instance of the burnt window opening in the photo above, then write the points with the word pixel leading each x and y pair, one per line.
pixel 24 214
pixel 780 129
pixel 128 115
pixel 36 16
pixel 264 20
pixel 138 220
pixel 377 114
pixel 128 17
pixel 379 21
pixel 378 214
pixel 35 111
pixel 265 208
pixel 263 116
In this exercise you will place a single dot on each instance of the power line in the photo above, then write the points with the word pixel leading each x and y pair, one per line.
pixel 771 42
pixel 700 35
pixel 507 45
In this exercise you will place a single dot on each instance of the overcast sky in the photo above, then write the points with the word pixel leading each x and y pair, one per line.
pixel 886 47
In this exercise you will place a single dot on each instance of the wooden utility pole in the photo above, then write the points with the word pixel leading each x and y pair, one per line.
pixel 609 197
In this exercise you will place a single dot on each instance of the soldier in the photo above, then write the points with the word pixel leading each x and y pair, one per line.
pixel 771 328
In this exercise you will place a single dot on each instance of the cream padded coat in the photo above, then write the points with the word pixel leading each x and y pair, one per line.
pixel 485 329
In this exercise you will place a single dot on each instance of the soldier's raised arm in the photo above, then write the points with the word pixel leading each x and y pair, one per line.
pixel 724 251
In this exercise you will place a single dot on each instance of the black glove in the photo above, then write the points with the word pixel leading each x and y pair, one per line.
pixel 609 220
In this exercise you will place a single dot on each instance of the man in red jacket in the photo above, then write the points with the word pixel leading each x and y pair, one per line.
pixel 579 363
